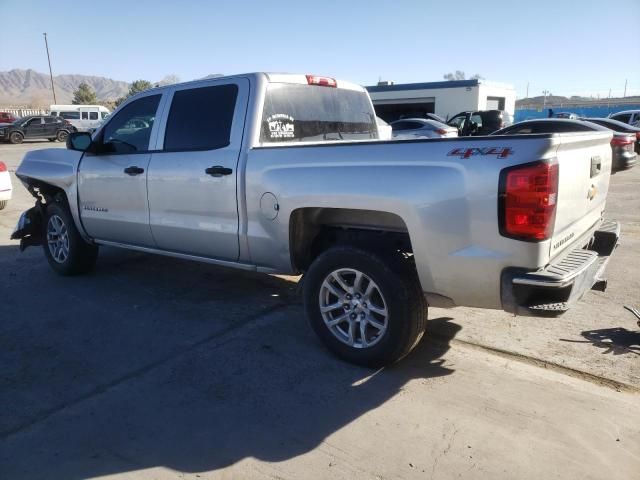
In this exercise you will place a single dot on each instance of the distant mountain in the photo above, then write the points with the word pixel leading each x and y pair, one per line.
pixel 28 87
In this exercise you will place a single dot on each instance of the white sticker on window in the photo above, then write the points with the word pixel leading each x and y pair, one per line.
pixel 281 126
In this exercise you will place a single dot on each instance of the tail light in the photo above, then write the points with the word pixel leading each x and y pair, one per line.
pixel 621 141
pixel 527 201
pixel 638 136
pixel 441 131
pixel 3 167
pixel 321 81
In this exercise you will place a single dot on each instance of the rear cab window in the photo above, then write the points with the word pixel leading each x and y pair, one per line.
pixel 310 113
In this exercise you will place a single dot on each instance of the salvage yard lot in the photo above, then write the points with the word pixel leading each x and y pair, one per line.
pixel 153 367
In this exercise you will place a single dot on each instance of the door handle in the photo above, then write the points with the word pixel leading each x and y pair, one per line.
pixel 133 170
pixel 218 171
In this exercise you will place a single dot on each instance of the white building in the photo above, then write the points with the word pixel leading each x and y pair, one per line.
pixel 393 101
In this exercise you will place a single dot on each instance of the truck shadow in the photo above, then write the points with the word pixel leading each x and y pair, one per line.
pixel 616 341
pixel 155 362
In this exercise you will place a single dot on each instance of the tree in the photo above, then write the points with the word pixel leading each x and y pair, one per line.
pixel 459 75
pixel 169 80
pixel 135 88
pixel 138 86
pixel 84 95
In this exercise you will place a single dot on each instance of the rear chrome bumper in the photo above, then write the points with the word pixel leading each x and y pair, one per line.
pixel 553 290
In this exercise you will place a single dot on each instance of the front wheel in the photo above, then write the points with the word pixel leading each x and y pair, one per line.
pixel 62 136
pixel 15 137
pixel 367 308
pixel 66 251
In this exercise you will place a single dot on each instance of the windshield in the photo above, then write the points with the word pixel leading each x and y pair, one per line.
pixel 303 113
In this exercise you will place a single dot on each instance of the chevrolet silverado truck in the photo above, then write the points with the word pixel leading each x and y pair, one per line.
pixel 281 173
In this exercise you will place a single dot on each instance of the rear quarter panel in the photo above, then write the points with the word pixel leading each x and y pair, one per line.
pixel 448 204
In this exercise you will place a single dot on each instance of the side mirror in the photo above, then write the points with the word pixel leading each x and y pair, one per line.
pixel 80 141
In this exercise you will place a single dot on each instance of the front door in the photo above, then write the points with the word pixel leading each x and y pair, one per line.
pixel 34 128
pixel 192 175
pixel 112 182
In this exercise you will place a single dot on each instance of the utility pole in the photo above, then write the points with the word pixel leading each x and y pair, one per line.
pixel 625 88
pixel 53 89
pixel 544 100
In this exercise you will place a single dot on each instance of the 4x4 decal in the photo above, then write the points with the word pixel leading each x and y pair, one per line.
pixel 499 152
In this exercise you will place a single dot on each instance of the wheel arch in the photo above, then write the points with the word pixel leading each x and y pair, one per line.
pixel 314 229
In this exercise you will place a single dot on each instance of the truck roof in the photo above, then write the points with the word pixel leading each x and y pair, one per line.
pixel 273 77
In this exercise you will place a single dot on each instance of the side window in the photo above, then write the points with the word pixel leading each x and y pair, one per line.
pixel 34 122
pixel 399 126
pixel 623 117
pixel 525 129
pixel 70 115
pixel 104 115
pixel 85 115
pixel 50 120
pixel 200 118
pixel 129 130
pixel 477 119
pixel 93 115
pixel 457 122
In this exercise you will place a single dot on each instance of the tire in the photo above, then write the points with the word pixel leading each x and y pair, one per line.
pixel 399 291
pixel 62 135
pixel 15 137
pixel 66 251
pixel 3 204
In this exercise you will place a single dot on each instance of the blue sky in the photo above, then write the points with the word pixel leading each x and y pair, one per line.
pixel 567 47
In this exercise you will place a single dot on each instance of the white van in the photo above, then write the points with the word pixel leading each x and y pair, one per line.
pixel 84 117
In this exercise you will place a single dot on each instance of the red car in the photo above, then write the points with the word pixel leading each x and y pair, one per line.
pixel 6 117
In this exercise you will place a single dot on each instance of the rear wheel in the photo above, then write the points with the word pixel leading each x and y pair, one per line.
pixel 367 308
pixel 66 251
pixel 15 137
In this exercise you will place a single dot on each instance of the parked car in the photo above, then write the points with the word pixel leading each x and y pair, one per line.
pixel 5 185
pixel 6 117
pixel 421 128
pixel 285 173
pixel 428 116
pixel 626 116
pixel 84 118
pixel 482 122
pixel 384 129
pixel 622 144
pixel 617 126
pixel 569 115
pixel 36 127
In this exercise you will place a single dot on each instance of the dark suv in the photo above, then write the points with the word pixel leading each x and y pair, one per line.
pixel 36 127
pixel 482 122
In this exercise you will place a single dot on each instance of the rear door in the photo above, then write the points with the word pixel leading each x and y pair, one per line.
pixel 193 175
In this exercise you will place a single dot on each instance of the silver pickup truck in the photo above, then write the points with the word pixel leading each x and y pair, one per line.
pixel 285 174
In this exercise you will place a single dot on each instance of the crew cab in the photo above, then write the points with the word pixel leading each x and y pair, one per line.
pixel 282 173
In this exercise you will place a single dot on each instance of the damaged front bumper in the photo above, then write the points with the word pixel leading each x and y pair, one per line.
pixel 29 228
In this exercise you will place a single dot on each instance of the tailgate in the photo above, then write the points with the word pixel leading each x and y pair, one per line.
pixel 584 173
